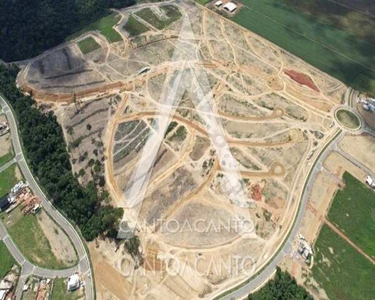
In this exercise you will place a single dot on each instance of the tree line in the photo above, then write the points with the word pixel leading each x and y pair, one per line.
pixel 29 27
pixel 281 287
pixel 48 159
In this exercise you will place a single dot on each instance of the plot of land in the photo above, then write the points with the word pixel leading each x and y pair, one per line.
pixel 6 260
pixel 28 235
pixel 172 14
pixel 353 212
pixel 340 270
pixel 9 178
pixel 332 50
pixel 88 45
pixel 59 291
pixel 134 27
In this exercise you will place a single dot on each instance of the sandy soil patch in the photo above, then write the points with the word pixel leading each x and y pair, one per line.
pixel 337 165
pixel 361 147
pixel 60 244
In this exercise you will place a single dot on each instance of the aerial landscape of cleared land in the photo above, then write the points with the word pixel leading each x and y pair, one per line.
pixel 279 84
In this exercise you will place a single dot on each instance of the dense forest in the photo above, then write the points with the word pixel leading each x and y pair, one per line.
pixel 48 159
pixel 282 287
pixel 29 27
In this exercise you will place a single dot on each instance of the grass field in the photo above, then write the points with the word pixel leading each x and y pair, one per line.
pixel 6 260
pixel 8 179
pixel 336 14
pixel 326 47
pixel 105 27
pixel 30 239
pixel 7 157
pixel 340 270
pixel 353 212
pixel 88 45
pixel 59 291
pixel 348 119
pixel 171 11
pixel 134 28
pixel 203 2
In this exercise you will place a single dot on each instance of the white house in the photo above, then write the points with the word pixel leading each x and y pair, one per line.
pixel 73 282
pixel 230 6
pixel 218 3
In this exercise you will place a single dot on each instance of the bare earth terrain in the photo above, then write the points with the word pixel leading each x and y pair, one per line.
pixel 276 112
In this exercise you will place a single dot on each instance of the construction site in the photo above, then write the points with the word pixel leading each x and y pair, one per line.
pixel 276 112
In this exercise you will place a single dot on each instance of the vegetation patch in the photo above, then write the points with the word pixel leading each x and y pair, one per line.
pixel 348 119
pixel 326 47
pixel 336 14
pixel 88 45
pixel 172 13
pixel 29 238
pixel 104 26
pixel 134 27
pixel 59 291
pixel 203 2
pixel 7 261
pixel 8 179
pixel 341 270
pixel 353 212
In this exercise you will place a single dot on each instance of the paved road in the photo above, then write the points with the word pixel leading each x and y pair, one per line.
pixel 84 263
pixel 243 291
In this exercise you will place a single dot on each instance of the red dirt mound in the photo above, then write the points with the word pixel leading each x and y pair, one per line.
pixel 256 192
pixel 302 78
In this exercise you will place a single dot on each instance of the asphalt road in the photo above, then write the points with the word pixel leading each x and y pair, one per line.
pixel 244 291
pixel 27 268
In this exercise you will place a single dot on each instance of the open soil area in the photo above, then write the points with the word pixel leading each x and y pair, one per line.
pixel 274 113
pixel 45 247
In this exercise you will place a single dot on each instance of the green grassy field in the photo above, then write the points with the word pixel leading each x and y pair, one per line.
pixel 348 119
pixel 326 47
pixel 8 179
pixel 340 270
pixel 88 45
pixel 353 212
pixel 171 11
pixel 59 291
pixel 105 27
pixel 30 239
pixel 134 28
pixel 7 157
pixel 203 2
pixel 6 260
pixel 338 15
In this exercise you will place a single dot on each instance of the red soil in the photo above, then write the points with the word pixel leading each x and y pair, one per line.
pixel 302 79
pixel 256 192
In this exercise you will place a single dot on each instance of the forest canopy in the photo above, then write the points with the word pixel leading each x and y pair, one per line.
pixel 29 27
